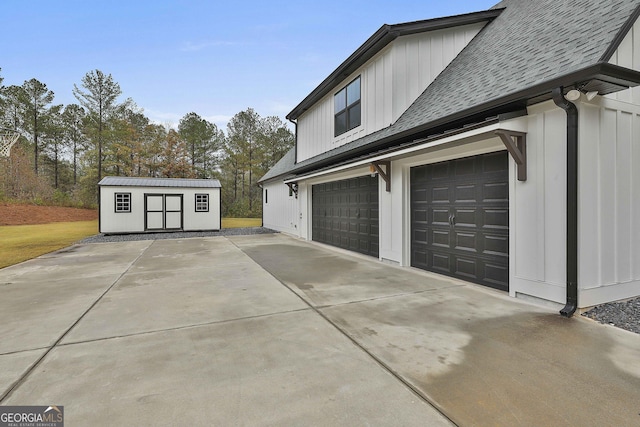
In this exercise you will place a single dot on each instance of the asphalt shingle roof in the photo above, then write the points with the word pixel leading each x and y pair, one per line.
pixel 285 164
pixel 528 44
pixel 120 181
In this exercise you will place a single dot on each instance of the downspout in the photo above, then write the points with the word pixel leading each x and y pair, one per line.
pixel 295 144
pixel 572 200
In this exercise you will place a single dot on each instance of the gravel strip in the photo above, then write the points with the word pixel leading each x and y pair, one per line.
pixel 624 314
pixel 102 238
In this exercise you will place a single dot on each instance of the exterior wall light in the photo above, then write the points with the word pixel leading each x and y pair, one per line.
pixel 572 95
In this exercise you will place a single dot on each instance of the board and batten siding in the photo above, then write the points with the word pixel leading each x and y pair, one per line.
pixel 628 55
pixel 609 200
pixel 390 82
pixel 538 209
pixel 608 210
pixel 280 211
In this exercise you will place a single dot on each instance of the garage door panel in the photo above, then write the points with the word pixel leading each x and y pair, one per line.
pixel 354 212
pixel 462 229
pixel 496 274
pixel 440 263
pixel 496 218
pixel 466 242
pixel 466 193
pixel 496 245
pixel 466 268
pixel 466 217
pixel 495 191
pixel 441 238
pixel 440 194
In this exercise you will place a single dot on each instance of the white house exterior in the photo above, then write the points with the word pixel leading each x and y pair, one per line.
pixel 151 205
pixel 452 150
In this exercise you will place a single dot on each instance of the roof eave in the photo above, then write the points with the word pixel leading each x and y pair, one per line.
pixel 601 76
pixel 378 41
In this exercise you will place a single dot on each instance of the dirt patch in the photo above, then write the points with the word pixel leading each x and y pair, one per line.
pixel 11 214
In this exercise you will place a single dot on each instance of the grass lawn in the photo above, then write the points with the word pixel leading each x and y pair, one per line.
pixel 241 222
pixel 23 242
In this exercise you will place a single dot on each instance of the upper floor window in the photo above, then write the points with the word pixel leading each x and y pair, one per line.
pixel 347 108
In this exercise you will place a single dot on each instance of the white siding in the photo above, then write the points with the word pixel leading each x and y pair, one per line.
pixel 609 203
pixel 279 210
pixel 628 55
pixel 391 82
pixel 538 209
pixel 133 222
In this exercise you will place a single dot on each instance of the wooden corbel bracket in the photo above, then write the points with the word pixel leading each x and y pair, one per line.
pixel 293 186
pixel 385 174
pixel 516 143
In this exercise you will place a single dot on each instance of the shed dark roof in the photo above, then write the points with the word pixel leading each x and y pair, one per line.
pixel 516 60
pixel 118 181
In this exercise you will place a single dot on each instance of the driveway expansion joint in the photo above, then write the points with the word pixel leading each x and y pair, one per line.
pixel 184 327
pixel 35 364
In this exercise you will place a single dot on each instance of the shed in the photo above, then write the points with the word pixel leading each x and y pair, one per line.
pixel 151 205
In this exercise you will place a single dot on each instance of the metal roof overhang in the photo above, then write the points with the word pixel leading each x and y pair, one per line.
pixel 604 77
pixel 378 41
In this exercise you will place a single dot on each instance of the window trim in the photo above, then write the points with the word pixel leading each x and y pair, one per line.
pixel 348 108
pixel 128 202
pixel 206 196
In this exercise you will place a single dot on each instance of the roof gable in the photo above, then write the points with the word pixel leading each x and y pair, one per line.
pixel 378 41
pixel 531 48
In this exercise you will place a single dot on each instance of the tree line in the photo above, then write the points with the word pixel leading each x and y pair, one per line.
pixel 64 150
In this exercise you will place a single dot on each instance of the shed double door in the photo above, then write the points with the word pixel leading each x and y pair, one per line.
pixel 163 212
pixel 460 219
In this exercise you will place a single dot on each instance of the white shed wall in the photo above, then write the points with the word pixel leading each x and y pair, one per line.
pixel 280 211
pixel 390 83
pixel 133 222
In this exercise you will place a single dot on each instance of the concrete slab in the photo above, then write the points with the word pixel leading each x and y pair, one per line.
pixel 82 260
pixel 285 369
pixel 14 365
pixel 196 286
pixel 35 315
pixel 481 357
pixel 202 331
pixel 327 277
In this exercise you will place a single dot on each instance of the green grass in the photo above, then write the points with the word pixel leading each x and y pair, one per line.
pixel 23 242
pixel 241 222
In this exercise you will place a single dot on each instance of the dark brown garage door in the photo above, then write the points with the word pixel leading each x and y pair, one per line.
pixel 460 219
pixel 345 214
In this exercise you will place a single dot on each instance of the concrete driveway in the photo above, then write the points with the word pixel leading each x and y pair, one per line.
pixel 269 330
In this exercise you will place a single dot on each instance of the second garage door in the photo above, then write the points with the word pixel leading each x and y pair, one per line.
pixel 460 219
pixel 345 214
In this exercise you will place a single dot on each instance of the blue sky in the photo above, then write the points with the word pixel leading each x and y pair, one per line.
pixel 210 57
